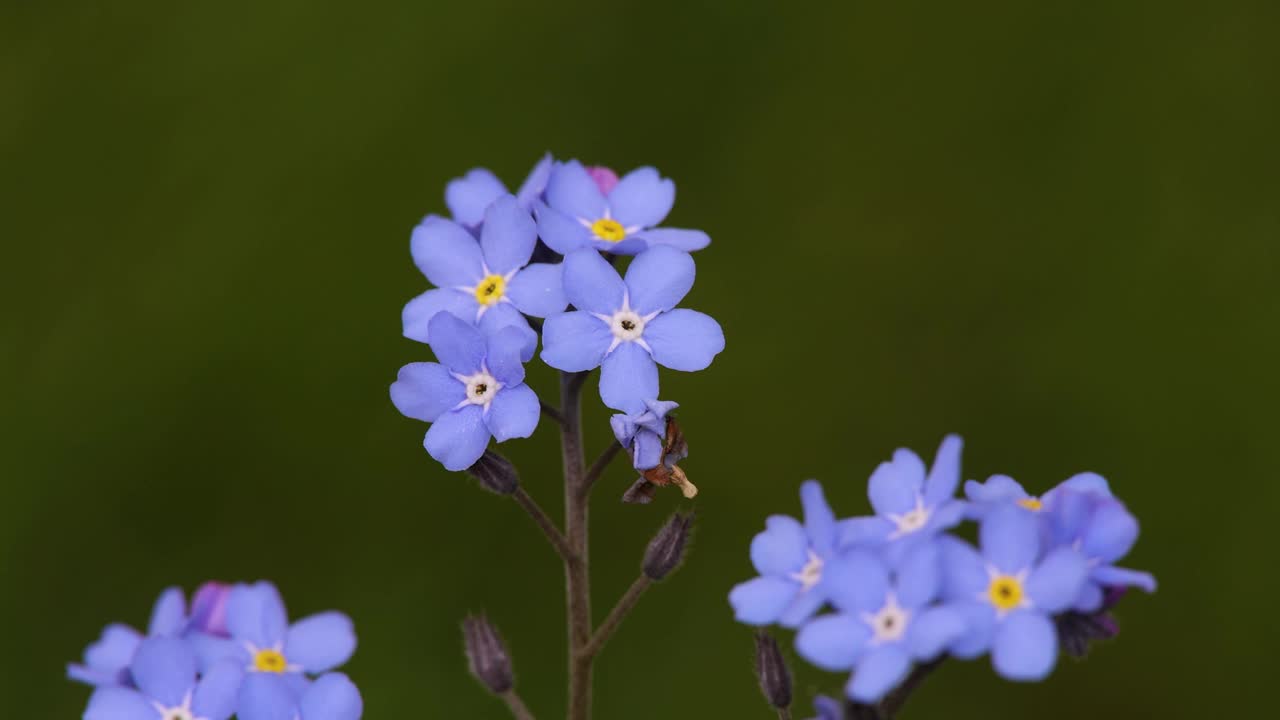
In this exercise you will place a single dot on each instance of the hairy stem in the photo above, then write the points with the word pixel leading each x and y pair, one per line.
pixel 894 701
pixel 616 616
pixel 519 710
pixel 550 411
pixel 577 576
pixel 547 525
pixel 599 466
pixel 784 713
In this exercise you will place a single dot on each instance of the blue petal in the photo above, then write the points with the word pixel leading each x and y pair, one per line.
pixel 266 696
pixel 782 549
pixel 1090 599
pixel 805 604
pixel 459 346
pixel 819 520
pixel 332 697
pixel 425 391
pixel 1056 583
pixel 944 476
pixel 1111 532
pixel 117 703
pixel 950 514
pixel 658 279
pixel 169 614
pixel 1010 539
pixel 686 240
pixel 561 232
pixel 628 377
pixel 505 315
pixel 980 627
pixel 215 696
pixel 762 600
pixel 591 283
pixel 458 439
pixel 828 708
pixel 503 356
pixel 833 642
pixel 934 630
pixel 321 642
pixel 896 484
pixel 995 489
pixel 572 191
pixel 642 198
pixel 468 196
pixel 919 576
pixel 114 650
pixel 878 672
pixel 97 677
pixel 646 451
pixel 1025 648
pixel 165 669
pixel 536 183
pixel 964 573
pixel 1112 576
pixel 513 413
pixel 418 313
pixel 574 341
pixel 256 614
pixel 630 246
pixel 863 532
pixel 211 650
pixel 446 253
pixel 1087 482
pixel 508 236
pixel 857 582
pixel 684 340
pixel 624 428
pixel 538 290
pixel 1067 514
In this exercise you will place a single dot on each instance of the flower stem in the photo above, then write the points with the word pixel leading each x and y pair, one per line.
pixel 577 576
pixel 616 616
pixel 784 713
pixel 546 524
pixel 894 701
pixel 599 466
pixel 519 710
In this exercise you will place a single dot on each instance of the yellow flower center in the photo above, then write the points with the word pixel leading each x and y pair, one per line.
pixel 490 289
pixel 1005 592
pixel 609 230
pixel 269 661
pixel 1032 504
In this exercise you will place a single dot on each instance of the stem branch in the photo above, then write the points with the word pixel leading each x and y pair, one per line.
pixel 600 465
pixel 616 616
pixel 519 710
pixel 547 525
pixel 577 576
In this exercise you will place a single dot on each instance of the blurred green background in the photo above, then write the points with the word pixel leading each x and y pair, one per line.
pixel 1050 227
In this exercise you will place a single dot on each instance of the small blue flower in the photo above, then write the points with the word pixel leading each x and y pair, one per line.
pixel 790 558
pixel 624 327
pixel 165 671
pixel 263 641
pixel 1010 592
pixel 330 697
pixel 909 507
pixel 644 434
pixel 886 621
pixel 475 392
pixel 1001 489
pixel 487 283
pixel 470 195
pixel 1104 531
pixel 578 215
pixel 106 662
pixel 828 708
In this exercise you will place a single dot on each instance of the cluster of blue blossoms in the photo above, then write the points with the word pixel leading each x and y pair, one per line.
pixel 231 652
pixel 904 591
pixel 549 252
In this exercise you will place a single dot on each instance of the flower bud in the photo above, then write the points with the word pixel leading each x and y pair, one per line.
pixel 495 473
pixel 772 671
pixel 209 609
pixel 486 655
pixel 666 549
pixel 640 493
pixel 1077 631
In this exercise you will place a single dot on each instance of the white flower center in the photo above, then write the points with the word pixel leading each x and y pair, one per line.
pixel 810 574
pixel 626 325
pixel 178 712
pixel 481 388
pixel 910 521
pixel 889 623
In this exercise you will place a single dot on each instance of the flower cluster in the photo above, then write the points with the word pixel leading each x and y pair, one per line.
pixel 579 222
pixel 905 591
pixel 231 652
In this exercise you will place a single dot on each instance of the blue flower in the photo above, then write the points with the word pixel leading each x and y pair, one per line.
pixel 263 641
pixel 489 282
pixel 909 507
pixel 577 214
pixel 165 671
pixel 470 195
pixel 1009 592
pixel 1104 531
pixel 886 621
pixel 1002 489
pixel 624 327
pixel 106 662
pixel 330 697
pixel 644 434
pixel 828 708
pixel 790 558
pixel 475 392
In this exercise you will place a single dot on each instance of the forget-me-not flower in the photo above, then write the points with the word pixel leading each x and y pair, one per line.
pixel 1010 592
pixel 1001 489
pixel 164 669
pixel 625 327
pixel 487 283
pixel 644 434
pixel 1104 531
pixel 887 622
pixel 106 662
pixel 475 392
pixel 330 697
pixel 470 195
pixel 622 221
pixel 791 559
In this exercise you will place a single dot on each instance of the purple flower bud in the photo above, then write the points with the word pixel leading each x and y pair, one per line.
pixel 495 473
pixel 772 671
pixel 1077 631
pixel 606 179
pixel 666 549
pixel 486 655
pixel 209 609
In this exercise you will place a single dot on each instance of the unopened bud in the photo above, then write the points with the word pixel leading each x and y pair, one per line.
pixel 772 671
pixel 495 473
pixel 486 655
pixel 1077 631
pixel 666 549
pixel 209 609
